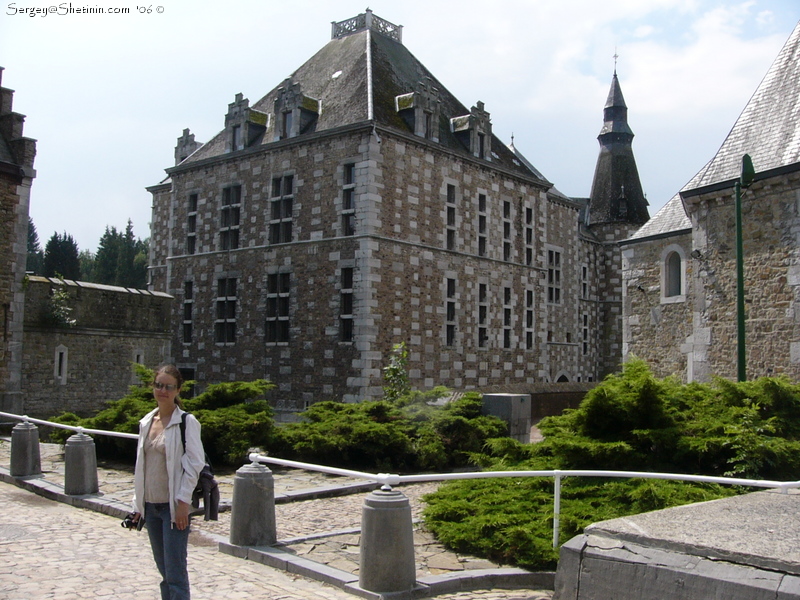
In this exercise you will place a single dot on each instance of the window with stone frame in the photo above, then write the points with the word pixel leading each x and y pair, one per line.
pixel 188 311
pixel 281 205
pixel 450 313
pixel 529 250
pixel 506 231
pixel 191 224
pixel 346 328
pixel 278 299
pixel 483 315
pixel 482 225
pixel 507 317
pixel 529 320
pixel 672 270
pixel 553 276
pixel 229 217
pixel 225 323
pixel 348 199
pixel 450 209
pixel 585 334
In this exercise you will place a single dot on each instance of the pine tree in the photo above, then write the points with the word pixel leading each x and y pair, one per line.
pixel 61 257
pixel 35 261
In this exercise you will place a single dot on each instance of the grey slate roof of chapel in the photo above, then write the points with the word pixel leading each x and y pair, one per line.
pixel 349 73
pixel 768 129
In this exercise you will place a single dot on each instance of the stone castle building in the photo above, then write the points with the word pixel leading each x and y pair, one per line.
pixel 358 205
pixel 680 289
pixel 16 176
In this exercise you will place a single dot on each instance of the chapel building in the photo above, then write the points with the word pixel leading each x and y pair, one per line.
pixel 680 282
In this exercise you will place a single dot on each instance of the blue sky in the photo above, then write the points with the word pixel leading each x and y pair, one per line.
pixel 106 96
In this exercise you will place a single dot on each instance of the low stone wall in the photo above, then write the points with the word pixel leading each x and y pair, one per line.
pixel 79 367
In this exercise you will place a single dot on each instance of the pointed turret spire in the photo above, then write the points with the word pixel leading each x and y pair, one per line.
pixel 616 190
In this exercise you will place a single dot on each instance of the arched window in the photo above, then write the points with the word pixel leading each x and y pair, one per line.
pixel 672 272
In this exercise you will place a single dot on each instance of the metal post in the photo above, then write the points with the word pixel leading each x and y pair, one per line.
pixel 741 362
pixel 557 510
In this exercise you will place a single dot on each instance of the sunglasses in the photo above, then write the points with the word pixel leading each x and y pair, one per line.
pixel 170 387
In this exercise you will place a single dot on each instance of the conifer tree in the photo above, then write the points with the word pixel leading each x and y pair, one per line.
pixel 61 257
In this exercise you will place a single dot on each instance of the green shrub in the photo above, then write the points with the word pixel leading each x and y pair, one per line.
pixel 631 421
pixel 232 418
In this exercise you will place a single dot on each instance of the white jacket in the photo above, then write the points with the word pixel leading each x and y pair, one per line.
pixel 183 469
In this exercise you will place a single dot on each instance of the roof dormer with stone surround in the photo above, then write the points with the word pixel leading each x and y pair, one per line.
pixel 295 113
pixel 186 146
pixel 421 110
pixel 474 131
pixel 244 126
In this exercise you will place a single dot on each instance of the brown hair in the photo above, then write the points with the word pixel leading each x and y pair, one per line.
pixel 172 371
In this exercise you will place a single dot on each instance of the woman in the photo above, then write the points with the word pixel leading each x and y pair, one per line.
pixel 164 478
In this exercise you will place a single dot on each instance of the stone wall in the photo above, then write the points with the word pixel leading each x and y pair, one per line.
pixel 657 329
pixel 695 335
pixel 79 368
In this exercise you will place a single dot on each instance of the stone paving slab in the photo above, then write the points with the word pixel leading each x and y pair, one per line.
pixel 322 532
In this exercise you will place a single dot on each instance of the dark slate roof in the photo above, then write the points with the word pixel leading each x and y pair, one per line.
pixel 768 128
pixel 616 194
pixel 339 76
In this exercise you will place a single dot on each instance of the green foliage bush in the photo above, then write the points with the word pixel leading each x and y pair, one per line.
pixel 406 435
pixel 631 421
pixel 232 417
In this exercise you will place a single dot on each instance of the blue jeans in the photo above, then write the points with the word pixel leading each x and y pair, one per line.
pixel 169 546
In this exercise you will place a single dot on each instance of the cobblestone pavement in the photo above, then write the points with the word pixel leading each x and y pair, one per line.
pixel 51 550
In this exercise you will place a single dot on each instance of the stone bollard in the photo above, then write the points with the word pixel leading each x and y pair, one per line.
pixel 80 466
pixel 253 507
pixel 387 543
pixel 25 458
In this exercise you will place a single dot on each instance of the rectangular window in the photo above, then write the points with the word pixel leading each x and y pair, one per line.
pixel 188 311
pixel 348 200
pixel 506 231
pixel 450 313
pixel 482 227
pixel 507 311
pixel 191 224
pixel 282 202
pixel 585 334
pixel 529 237
pixel 277 320
pixel 229 217
pixel 529 319
pixel 483 312
pixel 554 277
pixel 584 282
pixel 346 309
pixel 225 324
pixel 450 212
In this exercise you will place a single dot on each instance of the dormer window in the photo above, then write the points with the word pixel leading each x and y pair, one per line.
pixel 420 111
pixel 474 131
pixel 295 112
pixel 243 125
pixel 186 146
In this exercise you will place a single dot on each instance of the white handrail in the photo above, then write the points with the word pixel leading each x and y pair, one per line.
pixel 392 479
pixel 27 419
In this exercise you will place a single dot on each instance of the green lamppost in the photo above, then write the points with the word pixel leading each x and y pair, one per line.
pixel 744 181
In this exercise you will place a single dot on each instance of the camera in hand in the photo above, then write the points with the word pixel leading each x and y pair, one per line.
pixel 129 523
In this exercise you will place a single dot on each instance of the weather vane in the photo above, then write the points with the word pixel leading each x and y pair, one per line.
pixel 616 56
